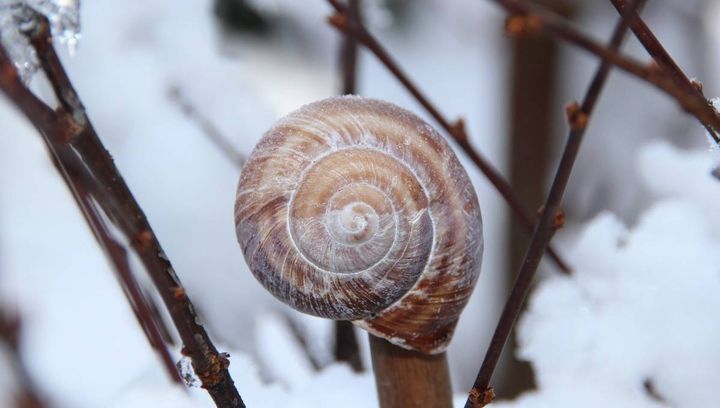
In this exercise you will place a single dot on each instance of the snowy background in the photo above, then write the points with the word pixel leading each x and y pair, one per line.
pixel 634 326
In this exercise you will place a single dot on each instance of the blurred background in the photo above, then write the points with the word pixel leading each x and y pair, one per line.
pixel 161 80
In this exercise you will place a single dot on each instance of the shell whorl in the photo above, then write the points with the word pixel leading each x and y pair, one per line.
pixel 356 209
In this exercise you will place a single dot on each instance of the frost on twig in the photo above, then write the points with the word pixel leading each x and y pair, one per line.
pixel 86 165
pixel 17 18
pixel 713 145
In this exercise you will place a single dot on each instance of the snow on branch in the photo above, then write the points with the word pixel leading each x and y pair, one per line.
pixel 16 16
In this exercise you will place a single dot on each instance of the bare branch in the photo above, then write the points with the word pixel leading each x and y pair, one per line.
pixel 346 344
pixel 77 148
pixel 658 52
pixel 348 52
pixel 551 219
pixel 117 255
pixel 691 100
pixel 10 332
pixel 207 127
pixel 456 130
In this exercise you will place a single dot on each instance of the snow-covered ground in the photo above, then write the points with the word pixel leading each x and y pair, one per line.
pixel 640 307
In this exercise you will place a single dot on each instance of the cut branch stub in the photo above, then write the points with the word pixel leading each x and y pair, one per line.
pixel 356 209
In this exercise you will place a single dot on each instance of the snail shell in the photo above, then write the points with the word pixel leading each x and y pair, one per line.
pixel 356 209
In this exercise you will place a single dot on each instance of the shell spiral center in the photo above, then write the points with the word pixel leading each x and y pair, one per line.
pixel 344 215
pixel 353 224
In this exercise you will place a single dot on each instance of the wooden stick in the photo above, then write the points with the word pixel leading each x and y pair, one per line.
pixel 407 379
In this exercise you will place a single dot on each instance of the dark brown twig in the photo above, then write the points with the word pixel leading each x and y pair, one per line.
pixel 691 101
pixel 652 391
pixel 70 130
pixel 349 51
pixel 299 335
pixel 532 83
pixel 72 171
pixel 27 395
pixel 551 220
pixel 117 255
pixel 207 127
pixel 653 46
pixel 455 130
pixel 346 344
pixel 666 62
pixel 159 318
pixel 403 378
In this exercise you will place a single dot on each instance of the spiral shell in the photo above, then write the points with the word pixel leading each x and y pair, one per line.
pixel 356 209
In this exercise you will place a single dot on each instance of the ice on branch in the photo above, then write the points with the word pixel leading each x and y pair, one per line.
pixel 184 366
pixel 711 141
pixel 16 18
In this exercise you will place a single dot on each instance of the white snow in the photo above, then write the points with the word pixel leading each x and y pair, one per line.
pixel 642 303
pixel 279 354
pixel 296 385
pixel 131 54
pixel 639 307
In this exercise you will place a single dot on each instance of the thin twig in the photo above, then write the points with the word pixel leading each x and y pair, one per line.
pixel 653 46
pixel 69 128
pixel 72 172
pixel 117 255
pixel 118 202
pixel 349 51
pixel 10 332
pixel 551 220
pixel 455 130
pixel 652 391
pixel 689 99
pixel 658 52
pixel 299 335
pixel 207 127
pixel 346 344
pixel 159 318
